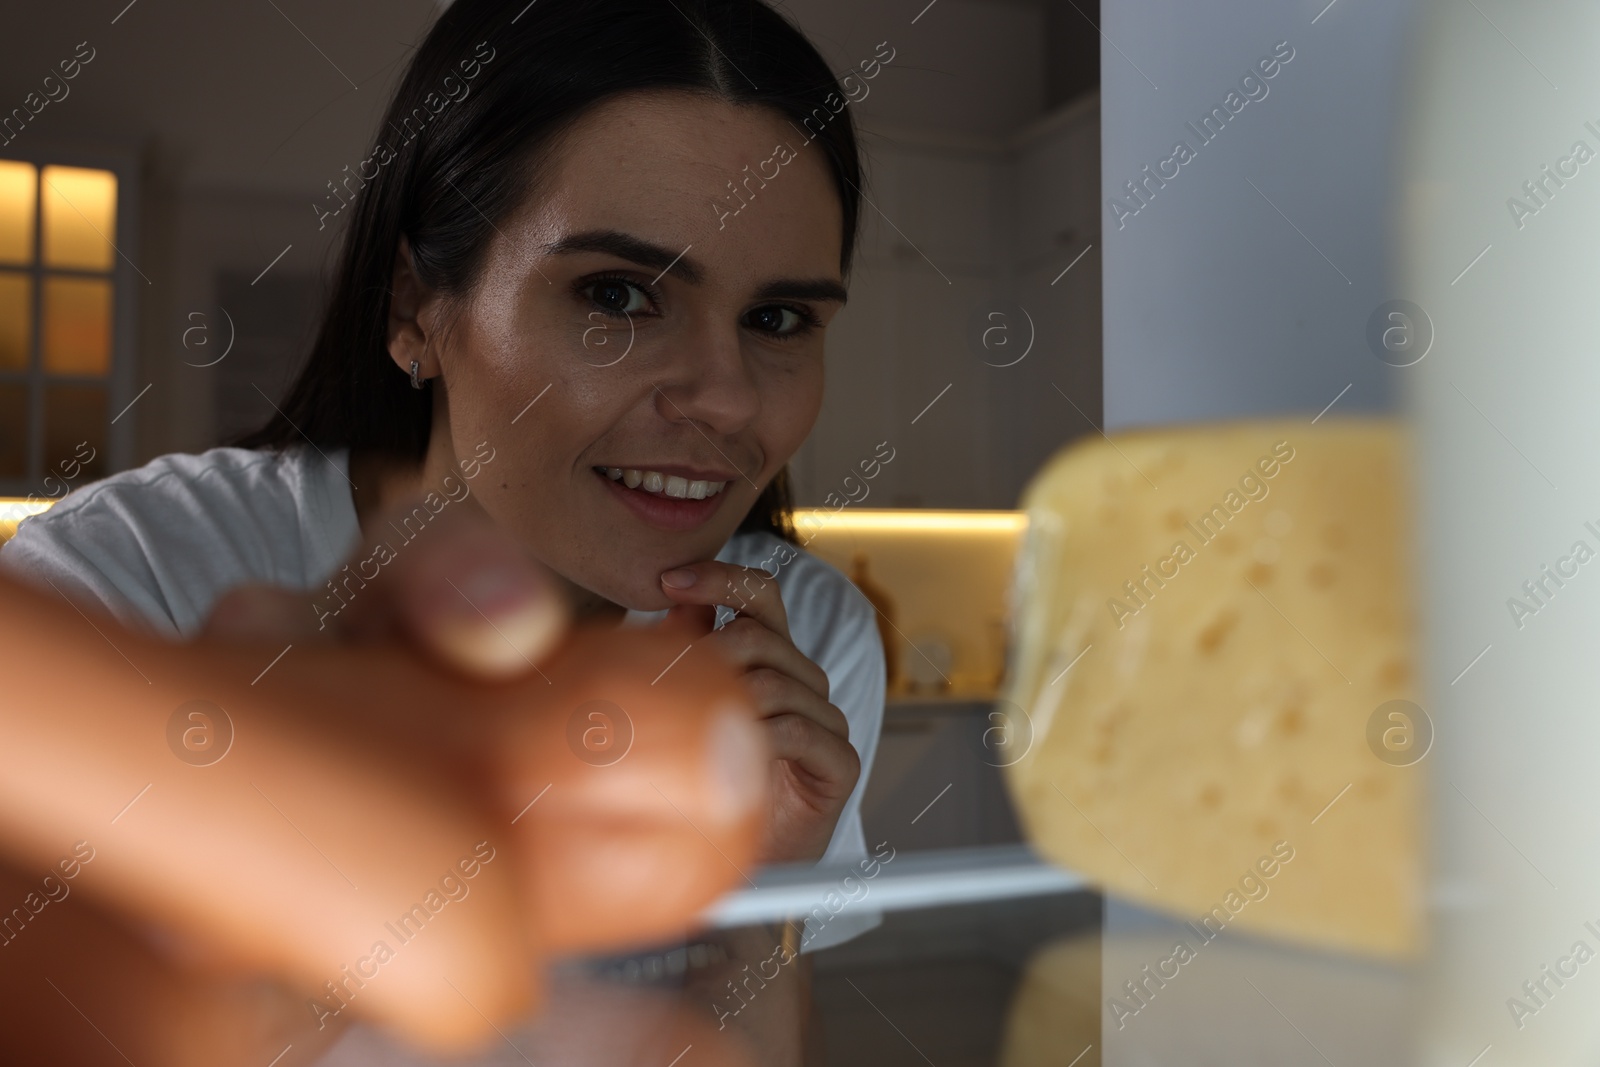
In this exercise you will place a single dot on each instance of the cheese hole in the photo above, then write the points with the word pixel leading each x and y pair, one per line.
pixel 1393 673
pixel 1210 639
pixel 1291 720
pixel 1260 573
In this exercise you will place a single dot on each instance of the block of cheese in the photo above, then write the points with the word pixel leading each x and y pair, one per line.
pixel 1208 622
pixel 1054 1015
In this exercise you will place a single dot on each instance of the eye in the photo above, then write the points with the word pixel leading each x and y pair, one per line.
pixel 619 296
pixel 779 320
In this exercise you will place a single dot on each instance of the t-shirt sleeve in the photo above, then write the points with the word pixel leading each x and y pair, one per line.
pixel 155 547
pixel 96 562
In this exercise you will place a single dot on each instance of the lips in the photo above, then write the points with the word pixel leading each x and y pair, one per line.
pixel 668 499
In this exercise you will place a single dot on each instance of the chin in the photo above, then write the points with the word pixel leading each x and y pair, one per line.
pixel 637 586
pixel 636 592
pixel 643 598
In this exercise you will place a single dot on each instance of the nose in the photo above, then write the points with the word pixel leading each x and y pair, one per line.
pixel 709 382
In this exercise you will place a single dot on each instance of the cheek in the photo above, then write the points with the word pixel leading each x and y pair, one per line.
pixel 514 375
pixel 495 368
pixel 791 399
pixel 538 454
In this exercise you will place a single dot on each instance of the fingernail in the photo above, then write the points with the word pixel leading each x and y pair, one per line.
pixel 495 619
pixel 505 645
pixel 681 578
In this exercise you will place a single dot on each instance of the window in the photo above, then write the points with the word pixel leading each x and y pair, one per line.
pixel 63 328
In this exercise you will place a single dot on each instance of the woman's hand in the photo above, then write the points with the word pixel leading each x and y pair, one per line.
pixel 815 766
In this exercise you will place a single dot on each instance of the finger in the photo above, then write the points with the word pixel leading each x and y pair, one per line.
pixel 336 748
pixel 643 785
pixel 285 851
pixel 263 613
pixel 748 644
pixel 748 590
pixel 73 961
pixel 692 620
pixel 461 588
pixel 829 765
pixel 777 693
pixel 467 593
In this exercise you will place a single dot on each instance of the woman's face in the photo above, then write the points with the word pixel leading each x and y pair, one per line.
pixel 644 348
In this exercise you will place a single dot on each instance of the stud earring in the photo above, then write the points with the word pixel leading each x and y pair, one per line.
pixel 416 382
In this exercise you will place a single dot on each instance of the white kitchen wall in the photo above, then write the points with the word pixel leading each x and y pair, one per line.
pixel 962 241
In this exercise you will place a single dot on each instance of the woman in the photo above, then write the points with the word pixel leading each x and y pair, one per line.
pixel 588 268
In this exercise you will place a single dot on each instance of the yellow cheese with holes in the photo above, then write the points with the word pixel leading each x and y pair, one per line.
pixel 1211 623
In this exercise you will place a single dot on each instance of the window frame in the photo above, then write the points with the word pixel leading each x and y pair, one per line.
pixel 119 377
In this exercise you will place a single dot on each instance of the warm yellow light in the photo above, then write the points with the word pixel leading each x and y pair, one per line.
pixel 16 319
pixel 873 520
pixel 80 217
pixel 18 190
pixel 15 509
pixel 77 325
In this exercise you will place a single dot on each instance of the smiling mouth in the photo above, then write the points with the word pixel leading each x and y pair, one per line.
pixel 659 484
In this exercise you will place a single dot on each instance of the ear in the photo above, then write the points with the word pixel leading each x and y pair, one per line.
pixel 412 326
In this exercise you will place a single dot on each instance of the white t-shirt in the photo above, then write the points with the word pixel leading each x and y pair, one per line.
pixel 158 546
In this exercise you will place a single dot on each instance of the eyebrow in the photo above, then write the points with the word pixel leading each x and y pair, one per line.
pixel 660 258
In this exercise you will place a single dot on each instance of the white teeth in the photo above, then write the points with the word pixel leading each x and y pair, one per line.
pixel 671 485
